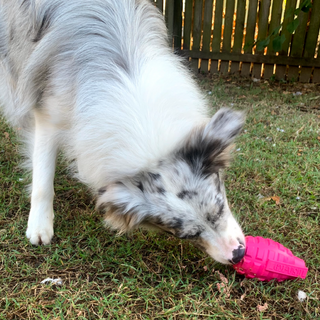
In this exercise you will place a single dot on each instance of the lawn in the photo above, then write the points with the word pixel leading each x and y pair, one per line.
pixel 153 276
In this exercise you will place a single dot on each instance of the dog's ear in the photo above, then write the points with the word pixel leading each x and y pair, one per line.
pixel 121 204
pixel 224 126
pixel 208 149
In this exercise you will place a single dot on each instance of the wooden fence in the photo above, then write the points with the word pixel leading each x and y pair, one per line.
pixel 214 35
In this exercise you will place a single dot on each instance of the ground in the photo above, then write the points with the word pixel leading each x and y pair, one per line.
pixel 273 187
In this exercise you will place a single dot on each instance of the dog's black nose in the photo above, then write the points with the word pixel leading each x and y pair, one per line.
pixel 238 254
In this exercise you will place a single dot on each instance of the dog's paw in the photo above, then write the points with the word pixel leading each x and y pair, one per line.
pixel 39 234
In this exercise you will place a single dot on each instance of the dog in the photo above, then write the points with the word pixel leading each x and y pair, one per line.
pixel 98 80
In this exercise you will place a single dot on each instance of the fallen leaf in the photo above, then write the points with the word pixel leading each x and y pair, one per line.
pixel 6 135
pixel 262 308
pixel 318 138
pixel 222 277
pixel 205 268
pixel 276 199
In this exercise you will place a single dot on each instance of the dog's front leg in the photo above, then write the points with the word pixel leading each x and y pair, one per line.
pixel 40 223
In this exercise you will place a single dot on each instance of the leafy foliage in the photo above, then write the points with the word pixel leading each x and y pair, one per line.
pixel 274 36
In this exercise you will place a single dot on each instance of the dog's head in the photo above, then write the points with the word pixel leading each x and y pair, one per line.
pixel 185 195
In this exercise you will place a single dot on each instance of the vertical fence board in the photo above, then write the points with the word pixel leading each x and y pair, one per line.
pixel 196 32
pixel 177 26
pixel 262 33
pixel 238 34
pixel 274 23
pixel 311 41
pixel 281 69
pixel 250 29
pixel 316 75
pixel 297 44
pixel 227 34
pixel 159 5
pixel 216 40
pixel 187 24
pixel 207 25
pixel 170 18
pixel 305 74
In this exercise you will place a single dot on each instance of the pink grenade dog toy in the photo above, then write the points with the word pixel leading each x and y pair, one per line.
pixel 266 259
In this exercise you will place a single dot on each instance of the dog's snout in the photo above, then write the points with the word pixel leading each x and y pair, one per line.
pixel 238 254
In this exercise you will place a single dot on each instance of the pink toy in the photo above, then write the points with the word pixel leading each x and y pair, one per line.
pixel 266 259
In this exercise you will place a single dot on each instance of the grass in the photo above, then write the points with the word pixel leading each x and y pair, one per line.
pixel 153 276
